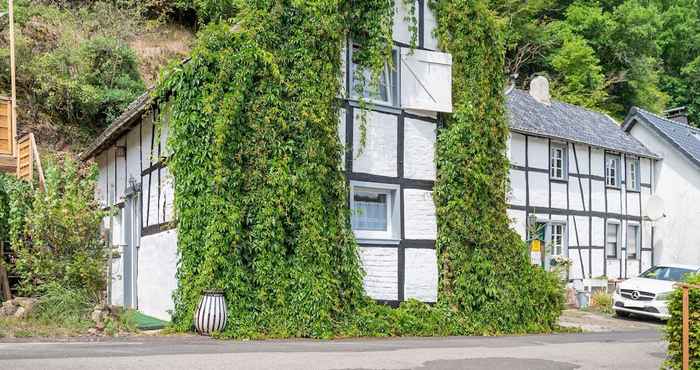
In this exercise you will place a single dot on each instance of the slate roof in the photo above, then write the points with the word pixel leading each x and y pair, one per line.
pixel 120 125
pixel 571 123
pixel 684 138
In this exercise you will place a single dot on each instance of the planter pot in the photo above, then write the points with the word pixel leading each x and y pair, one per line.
pixel 211 314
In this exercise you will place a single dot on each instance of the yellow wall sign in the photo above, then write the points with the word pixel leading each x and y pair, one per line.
pixel 536 245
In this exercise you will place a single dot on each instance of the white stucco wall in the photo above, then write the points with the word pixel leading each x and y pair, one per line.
pixel 677 182
pixel 156 274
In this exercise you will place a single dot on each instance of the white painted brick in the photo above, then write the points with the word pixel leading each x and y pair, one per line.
pixel 578 270
pixel 632 203
pixel 578 230
pixel 581 155
pixel 421 276
pixel 378 157
pixel 420 221
pixel 381 272
pixel 419 149
pixel 598 232
pixel 167 196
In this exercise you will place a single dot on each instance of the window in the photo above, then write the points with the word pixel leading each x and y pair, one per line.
pixel 633 177
pixel 612 171
pixel 375 213
pixel 632 240
pixel 557 239
pixel 382 91
pixel 612 239
pixel 553 234
pixel 667 273
pixel 558 163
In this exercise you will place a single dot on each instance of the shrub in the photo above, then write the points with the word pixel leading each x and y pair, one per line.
pixel 674 327
pixel 60 241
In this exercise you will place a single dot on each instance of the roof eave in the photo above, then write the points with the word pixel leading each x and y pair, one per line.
pixel 543 134
pixel 116 129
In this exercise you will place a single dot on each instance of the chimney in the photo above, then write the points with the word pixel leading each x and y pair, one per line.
pixel 539 89
pixel 679 115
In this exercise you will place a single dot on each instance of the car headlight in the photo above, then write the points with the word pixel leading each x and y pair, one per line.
pixel 663 296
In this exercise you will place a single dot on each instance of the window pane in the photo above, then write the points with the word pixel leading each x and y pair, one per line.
pixel 632 235
pixel 370 211
pixel 384 89
pixel 611 239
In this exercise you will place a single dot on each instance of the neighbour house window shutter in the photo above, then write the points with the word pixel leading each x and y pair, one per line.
pixel 5 127
pixel 426 80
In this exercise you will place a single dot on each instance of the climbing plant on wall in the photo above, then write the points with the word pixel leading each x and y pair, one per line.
pixel 484 267
pixel 261 197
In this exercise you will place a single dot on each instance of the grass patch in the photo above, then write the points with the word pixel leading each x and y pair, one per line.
pixel 601 302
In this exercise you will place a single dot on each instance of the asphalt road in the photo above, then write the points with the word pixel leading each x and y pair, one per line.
pixel 637 350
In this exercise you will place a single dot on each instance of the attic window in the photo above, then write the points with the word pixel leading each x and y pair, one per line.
pixel 382 91
pixel 558 165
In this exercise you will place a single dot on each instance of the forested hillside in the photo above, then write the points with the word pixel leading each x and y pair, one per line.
pixel 609 55
pixel 80 62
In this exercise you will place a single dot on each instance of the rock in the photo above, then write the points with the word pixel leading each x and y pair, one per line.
pixel 21 313
pixel 26 303
pixel 8 308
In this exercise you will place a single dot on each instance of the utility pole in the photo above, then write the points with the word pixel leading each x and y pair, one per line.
pixel 10 10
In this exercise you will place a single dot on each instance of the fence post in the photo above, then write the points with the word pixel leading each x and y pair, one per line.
pixel 686 329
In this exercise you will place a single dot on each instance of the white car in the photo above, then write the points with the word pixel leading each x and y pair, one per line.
pixel 648 293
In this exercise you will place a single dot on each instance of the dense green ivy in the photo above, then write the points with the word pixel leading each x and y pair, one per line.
pixel 261 197
pixel 674 327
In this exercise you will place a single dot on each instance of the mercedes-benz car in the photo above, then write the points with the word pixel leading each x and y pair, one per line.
pixel 648 293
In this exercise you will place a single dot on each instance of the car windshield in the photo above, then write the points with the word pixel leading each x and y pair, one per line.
pixel 667 273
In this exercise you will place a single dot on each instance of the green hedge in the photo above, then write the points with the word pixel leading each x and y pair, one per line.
pixel 674 327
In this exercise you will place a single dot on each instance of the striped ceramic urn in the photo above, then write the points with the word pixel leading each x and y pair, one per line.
pixel 211 314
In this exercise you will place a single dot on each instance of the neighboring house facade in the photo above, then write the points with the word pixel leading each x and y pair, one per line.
pixel 586 181
pixel 677 182
pixel 391 179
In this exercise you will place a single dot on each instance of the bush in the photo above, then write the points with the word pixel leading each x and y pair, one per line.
pixel 60 241
pixel 674 327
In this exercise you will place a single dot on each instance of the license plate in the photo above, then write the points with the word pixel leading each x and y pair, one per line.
pixel 634 304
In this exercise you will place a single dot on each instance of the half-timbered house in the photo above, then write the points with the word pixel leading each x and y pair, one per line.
pixel 580 184
pixel 390 178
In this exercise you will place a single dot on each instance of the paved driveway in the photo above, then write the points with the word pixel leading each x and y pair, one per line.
pixel 637 350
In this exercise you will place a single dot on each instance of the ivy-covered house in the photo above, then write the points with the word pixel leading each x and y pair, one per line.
pixel 389 135
pixel 585 181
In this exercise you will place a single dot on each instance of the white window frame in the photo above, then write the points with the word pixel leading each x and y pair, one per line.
pixel 549 236
pixel 637 246
pixel 561 148
pixel 617 158
pixel 392 234
pixel 564 245
pixel 393 94
pixel 633 176
pixel 618 242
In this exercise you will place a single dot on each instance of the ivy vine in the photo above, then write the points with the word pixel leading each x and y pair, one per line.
pixel 261 197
